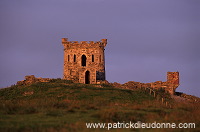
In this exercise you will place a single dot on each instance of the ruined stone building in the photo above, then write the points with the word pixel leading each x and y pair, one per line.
pixel 169 86
pixel 84 62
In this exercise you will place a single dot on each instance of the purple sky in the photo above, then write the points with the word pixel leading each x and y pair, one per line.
pixel 146 38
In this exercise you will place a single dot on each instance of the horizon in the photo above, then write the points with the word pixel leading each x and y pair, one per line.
pixel 146 39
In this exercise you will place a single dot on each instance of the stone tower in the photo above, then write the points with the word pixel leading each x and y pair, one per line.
pixel 84 62
pixel 173 81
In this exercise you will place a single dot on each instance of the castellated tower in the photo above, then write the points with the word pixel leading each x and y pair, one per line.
pixel 84 62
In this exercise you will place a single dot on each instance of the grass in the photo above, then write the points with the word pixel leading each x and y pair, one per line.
pixel 64 106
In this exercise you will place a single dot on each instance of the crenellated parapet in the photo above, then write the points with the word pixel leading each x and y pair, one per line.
pixel 83 44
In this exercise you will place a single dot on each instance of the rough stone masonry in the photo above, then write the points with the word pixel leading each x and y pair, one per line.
pixel 84 61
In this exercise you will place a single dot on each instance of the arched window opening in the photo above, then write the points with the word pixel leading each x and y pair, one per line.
pixel 100 58
pixel 92 58
pixel 83 58
pixel 68 58
pixel 74 58
pixel 87 77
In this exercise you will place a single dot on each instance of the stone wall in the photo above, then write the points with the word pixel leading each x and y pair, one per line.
pixel 32 79
pixel 169 86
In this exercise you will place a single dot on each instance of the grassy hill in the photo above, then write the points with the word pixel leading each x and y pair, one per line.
pixel 65 106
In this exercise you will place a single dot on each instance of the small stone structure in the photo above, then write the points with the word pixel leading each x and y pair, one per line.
pixel 32 79
pixel 169 86
pixel 84 61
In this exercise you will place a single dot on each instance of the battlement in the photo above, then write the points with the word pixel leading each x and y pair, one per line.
pixel 102 42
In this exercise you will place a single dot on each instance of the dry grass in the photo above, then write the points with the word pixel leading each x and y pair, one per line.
pixel 67 107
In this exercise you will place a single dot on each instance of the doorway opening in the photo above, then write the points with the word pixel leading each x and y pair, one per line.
pixel 87 77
